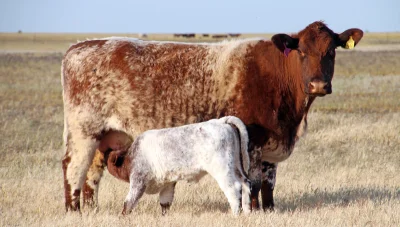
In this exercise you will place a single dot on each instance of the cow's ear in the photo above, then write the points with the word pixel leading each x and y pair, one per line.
pixel 285 43
pixel 349 38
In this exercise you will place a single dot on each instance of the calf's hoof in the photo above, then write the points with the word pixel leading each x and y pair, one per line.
pixel 164 208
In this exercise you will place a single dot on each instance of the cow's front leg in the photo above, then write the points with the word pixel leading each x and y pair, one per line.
pixel 93 177
pixel 255 190
pixel 255 177
pixel 268 184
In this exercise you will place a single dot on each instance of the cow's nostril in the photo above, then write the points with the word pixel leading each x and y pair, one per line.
pixel 328 88
pixel 311 86
pixel 320 88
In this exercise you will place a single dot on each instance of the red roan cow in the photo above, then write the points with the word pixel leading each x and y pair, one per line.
pixel 129 86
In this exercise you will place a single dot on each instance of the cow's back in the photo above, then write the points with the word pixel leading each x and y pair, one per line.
pixel 133 85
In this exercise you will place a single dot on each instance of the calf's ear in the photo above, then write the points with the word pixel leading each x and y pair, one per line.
pixel 349 38
pixel 115 158
pixel 285 43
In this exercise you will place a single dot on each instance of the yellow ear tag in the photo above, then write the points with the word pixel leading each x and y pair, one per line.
pixel 350 43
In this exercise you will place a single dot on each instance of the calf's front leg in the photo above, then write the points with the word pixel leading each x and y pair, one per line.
pixel 137 188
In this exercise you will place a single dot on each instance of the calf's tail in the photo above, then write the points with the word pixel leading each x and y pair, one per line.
pixel 244 139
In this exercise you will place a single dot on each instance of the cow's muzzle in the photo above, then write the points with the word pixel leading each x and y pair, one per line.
pixel 319 88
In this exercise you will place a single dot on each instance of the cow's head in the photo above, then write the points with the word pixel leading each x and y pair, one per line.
pixel 314 49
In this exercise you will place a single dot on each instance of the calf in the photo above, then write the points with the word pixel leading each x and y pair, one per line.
pixel 157 159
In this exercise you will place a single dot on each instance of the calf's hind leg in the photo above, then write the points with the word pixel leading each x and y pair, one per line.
pixel 166 197
pixel 231 187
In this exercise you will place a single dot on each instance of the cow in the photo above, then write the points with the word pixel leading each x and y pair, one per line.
pixel 185 35
pixel 234 35
pixel 219 36
pixel 159 158
pixel 131 86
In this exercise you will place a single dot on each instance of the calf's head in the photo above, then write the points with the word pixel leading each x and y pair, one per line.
pixel 312 50
pixel 118 164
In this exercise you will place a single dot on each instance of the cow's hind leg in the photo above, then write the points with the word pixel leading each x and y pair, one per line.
pixel 93 177
pixel 268 184
pixel 166 197
pixel 79 152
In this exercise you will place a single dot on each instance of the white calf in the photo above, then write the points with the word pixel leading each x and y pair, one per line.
pixel 157 159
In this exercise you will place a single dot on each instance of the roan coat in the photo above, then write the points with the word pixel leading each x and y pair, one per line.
pixel 157 159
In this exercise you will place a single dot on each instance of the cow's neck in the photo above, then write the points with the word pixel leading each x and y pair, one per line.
pixel 285 103
pixel 293 101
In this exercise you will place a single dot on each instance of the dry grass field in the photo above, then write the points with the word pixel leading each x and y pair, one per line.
pixel 344 172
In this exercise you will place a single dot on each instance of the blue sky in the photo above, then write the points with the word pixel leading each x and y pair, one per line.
pixel 202 16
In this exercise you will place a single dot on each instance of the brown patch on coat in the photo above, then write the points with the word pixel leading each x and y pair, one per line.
pixel 77 85
pixel 279 110
pixel 282 82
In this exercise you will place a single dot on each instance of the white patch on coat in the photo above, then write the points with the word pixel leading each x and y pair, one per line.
pixel 275 151
pixel 224 61
pixel 114 123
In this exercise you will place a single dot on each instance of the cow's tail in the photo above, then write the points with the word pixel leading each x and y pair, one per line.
pixel 244 139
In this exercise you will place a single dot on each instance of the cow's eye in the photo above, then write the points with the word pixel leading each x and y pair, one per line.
pixel 301 53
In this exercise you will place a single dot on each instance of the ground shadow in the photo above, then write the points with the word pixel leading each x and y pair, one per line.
pixel 201 207
pixel 343 197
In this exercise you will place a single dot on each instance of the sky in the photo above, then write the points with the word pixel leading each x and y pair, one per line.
pixel 202 16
